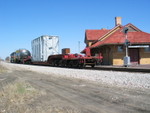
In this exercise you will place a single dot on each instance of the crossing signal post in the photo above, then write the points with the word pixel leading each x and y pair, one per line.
pixel 126 43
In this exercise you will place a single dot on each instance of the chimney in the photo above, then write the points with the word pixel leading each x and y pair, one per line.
pixel 118 20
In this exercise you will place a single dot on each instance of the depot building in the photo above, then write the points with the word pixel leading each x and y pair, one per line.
pixel 111 44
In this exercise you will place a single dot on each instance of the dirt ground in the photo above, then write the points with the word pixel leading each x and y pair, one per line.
pixel 30 92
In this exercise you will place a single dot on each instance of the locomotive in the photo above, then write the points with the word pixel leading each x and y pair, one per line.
pixel 21 56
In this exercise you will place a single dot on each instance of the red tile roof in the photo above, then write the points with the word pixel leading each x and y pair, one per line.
pixel 95 34
pixel 119 38
pixel 116 36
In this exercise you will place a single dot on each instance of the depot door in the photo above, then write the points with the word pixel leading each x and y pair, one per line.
pixel 134 56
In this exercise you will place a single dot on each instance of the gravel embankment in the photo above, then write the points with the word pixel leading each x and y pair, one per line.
pixel 121 79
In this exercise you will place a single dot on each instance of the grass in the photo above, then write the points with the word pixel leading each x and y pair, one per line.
pixel 2 69
pixel 20 97
pixel 15 97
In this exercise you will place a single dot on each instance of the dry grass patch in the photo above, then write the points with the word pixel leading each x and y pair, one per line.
pixel 2 69
pixel 15 97
pixel 20 97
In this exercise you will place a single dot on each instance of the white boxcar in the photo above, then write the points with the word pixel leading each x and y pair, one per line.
pixel 44 46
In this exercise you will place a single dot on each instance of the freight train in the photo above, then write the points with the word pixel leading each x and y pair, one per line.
pixel 21 56
pixel 61 60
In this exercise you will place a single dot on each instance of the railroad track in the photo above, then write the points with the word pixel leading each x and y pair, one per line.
pixel 123 69
pixel 109 68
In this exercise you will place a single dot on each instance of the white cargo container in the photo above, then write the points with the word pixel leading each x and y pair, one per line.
pixel 44 46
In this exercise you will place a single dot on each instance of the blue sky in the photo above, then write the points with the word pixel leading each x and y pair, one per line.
pixel 21 21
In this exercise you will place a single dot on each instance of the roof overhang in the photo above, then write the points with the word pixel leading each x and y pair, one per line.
pixel 138 46
pixel 106 45
pixel 133 45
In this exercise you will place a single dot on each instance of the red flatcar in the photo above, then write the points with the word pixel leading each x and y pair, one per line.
pixel 74 60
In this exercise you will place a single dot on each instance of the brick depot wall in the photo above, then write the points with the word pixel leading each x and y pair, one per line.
pixel 117 56
pixel 107 53
pixel 111 56
pixel 144 57
pixel 118 59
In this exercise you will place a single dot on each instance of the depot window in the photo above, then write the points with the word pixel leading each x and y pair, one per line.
pixel 147 49
pixel 120 48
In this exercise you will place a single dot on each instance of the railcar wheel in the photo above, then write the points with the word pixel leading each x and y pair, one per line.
pixel 63 64
pixel 53 63
pixel 76 64
pixel 81 66
pixel 70 65
pixel 93 65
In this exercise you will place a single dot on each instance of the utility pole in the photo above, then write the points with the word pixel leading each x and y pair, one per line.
pixel 78 46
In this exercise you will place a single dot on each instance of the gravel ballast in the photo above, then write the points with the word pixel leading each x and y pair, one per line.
pixel 121 79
